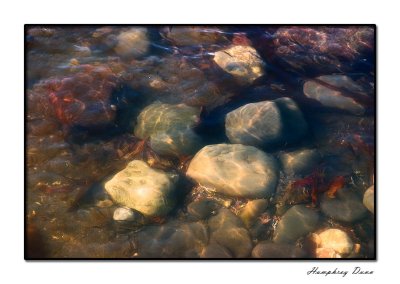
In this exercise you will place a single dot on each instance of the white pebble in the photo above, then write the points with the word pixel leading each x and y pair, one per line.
pixel 123 214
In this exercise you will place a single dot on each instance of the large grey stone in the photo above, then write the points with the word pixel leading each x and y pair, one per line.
pixel 347 206
pixel 149 191
pixel 300 162
pixel 235 170
pixel 228 231
pixel 169 128
pixel 242 62
pixel 297 222
pixel 268 123
pixel 333 97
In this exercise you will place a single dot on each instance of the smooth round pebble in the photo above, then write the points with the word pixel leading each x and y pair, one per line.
pixel 123 214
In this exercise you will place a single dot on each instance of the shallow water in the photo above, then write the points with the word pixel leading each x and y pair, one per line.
pixel 301 101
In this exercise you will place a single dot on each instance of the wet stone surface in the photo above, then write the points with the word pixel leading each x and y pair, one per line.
pixel 169 128
pixel 334 239
pixel 174 80
pixel 300 162
pixel 193 36
pixel 297 222
pixel 132 43
pixel 144 189
pixel 228 231
pixel 337 91
pixel 172 240
pixel 369 200
pixel 242 62
pixel 268 123
pixel 235 170
pixel 346 207
pixel 252 210
pixel 202 209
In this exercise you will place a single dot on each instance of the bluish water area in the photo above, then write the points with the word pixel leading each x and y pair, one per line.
pixel 200 141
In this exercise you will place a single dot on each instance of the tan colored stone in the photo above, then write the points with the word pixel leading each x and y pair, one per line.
pixel 337 240
pixel 243 62
pixel 132 43
pixel 142 188
pixel 368 199
pixel 252 210
pixel 327 253
pixel 235 170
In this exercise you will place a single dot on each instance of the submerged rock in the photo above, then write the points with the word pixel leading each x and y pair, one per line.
pixel 214 250
pixel 267 123
pixel 334 239
pixel 172 240
pixel 174 80
pixel 224 217
pixel 169 128
pixel 144 189
pixel 262 227
pixel 132 43
pixel 300 162
pixel 326 253
pixel 268 249
pixel 202 209
pixel 242 62
pixel 297 222
pixel 228 230
pixel 333 97
pixel 128 215
pixel 189 36
pixel 235 170
pixel 368 199
pixel 347 206
pixel 123 214
pixel 252 210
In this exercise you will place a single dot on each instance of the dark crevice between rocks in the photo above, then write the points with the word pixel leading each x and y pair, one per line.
pixel 128 104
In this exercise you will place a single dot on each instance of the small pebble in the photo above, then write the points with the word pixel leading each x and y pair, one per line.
pixel 123 214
